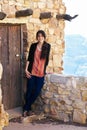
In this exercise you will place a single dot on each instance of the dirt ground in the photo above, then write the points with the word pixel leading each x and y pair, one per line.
pixel 43 124
pixel 30 126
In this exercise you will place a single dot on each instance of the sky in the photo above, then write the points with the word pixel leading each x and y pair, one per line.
pixel 79 24
pixel 76 39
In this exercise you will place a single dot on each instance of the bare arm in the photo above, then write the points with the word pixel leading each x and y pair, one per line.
pixel 27 64
pixel 28 74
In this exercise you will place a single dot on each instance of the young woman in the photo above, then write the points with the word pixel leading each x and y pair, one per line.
pixel 37 62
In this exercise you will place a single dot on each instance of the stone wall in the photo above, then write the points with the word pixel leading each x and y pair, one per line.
pixel 54 28
pixel 3 115
pixel 64 98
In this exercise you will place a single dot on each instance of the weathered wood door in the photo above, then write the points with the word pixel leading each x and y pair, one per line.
pixel 10 51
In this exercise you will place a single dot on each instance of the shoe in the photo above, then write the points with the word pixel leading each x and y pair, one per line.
pixel 30 113
pixel 25 114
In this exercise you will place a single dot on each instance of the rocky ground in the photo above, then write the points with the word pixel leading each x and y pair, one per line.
pixel 39 122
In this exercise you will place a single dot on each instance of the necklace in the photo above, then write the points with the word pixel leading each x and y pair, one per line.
pixel 39 48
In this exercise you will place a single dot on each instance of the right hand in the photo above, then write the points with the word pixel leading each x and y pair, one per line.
pixel 28 74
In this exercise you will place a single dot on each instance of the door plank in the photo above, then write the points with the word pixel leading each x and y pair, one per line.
pixel 15 83
pixel 5 62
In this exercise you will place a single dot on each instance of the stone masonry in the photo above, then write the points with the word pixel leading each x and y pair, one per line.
pixel 64 98
pixel 54 28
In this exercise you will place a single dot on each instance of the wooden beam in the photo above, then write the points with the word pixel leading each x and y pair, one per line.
pixel 45 15
pixel 2 15
pixel 24 13
pixel 66 17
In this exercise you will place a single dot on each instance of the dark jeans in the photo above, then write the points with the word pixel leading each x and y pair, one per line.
pixel 34 86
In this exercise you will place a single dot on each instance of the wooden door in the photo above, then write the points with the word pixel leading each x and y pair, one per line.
pixel 10 51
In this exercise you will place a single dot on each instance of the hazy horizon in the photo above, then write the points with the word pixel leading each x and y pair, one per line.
pixel 75 56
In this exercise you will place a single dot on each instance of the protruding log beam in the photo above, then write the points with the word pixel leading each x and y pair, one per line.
pixel 2 15
pixel 24 13
pixel 45 15
pixel 65 17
